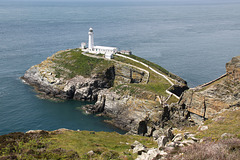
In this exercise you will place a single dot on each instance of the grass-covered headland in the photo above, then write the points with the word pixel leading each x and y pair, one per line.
pixel 70 63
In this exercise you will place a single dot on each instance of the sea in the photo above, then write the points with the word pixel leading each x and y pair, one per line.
pixel 193 39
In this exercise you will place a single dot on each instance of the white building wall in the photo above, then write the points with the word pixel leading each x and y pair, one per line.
pixel 108 51
pixel 90 39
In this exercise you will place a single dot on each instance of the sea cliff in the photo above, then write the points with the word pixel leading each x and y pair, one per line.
pixel 136 98
pixel 209 99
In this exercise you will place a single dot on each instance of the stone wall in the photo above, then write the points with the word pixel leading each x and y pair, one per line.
pixel 125 74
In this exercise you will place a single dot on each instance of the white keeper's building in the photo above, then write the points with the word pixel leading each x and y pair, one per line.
pixel 107 51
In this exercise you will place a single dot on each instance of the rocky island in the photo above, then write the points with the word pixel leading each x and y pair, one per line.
pixel 135 93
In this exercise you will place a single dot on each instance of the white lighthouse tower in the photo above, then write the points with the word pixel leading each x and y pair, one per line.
pixel 107 51
pixel 90 40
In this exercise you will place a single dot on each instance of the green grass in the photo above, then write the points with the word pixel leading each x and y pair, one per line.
pixel 102 143
pixel 31 146
pixel 78 64
pixel 156 84
pixel 228 122
pixel 151 64
pixel 70 63
pixel 172 99
pixel 70 145
pixel 156 67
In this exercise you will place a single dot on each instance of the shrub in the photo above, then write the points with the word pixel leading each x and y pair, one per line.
pixel 227 149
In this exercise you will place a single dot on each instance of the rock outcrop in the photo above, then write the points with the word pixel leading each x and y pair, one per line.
pixel 72 75
pixel 207 100
pixel 168 143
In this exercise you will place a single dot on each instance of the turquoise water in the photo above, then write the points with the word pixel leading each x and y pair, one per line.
pixel 193 39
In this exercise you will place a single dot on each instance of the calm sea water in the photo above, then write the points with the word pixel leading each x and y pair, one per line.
pixel 193 39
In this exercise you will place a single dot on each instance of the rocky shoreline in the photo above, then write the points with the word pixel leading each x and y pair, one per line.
pixel 147 113
pixel 140 113
pixel 116 87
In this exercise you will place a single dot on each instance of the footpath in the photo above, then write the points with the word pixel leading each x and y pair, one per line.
pixel 160 74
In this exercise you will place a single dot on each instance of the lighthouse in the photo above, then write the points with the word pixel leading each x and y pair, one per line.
pixel 90 39
pixel 107 51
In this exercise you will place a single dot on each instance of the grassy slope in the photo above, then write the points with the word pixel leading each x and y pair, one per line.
pixel 69 145
pixel 156 84
pixel 155 66
pixel 71 63
pixel 226 122
pixel 78 64
pixel 102 143
pixel 214 146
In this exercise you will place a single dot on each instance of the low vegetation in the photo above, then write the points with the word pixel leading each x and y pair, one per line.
pixel 31 146
pixel 156 84
pixel 70 145
pixel 73 63
pixel 156 67
pixel 227 149
pixel 226 122
pixel 220 141
pixel 70 63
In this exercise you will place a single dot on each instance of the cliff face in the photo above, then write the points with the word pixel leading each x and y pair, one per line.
pixel 53 79
pixel 116 87
pixel 233 70
pixel 208 100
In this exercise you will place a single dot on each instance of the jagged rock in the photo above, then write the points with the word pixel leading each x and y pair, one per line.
pixel 138 148
pixel 157 133
pixel 195 139
pixel 152 154
pixel 169 149
pixel 33 131
pixel 178 137
pixel 186 135
pixel 139 114
pixel 142 128
pixel 209 99
pixel 135 144
pixel 188 142
pixel 171 144
pixel 233 69
pixel 61 130
pixel 180 145
pixel 169 133
pixel 150 131
pixel 162 141
pixel 202 128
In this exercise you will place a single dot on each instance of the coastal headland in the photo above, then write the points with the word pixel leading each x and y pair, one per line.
pixel 165 119
pixel 134 92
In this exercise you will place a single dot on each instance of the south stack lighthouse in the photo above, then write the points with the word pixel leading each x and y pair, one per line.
pixel 90 39
pixel 107 51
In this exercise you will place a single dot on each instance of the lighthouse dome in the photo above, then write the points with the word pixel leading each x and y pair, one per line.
pixel 90 30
